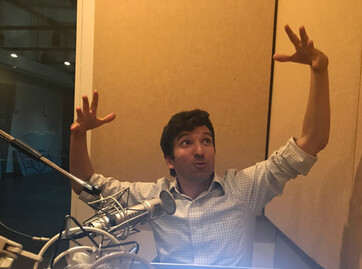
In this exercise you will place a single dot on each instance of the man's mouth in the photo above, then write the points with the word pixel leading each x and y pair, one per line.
pixel 199 164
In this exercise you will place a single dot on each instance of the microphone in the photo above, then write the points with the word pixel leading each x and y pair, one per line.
pixel 112 219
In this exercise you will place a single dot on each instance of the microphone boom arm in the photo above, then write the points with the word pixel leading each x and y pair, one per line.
pixel 33 153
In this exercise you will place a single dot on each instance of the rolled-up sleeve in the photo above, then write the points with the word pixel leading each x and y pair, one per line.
pixel 260 183
pixel 138 191
pixel 108 186
pixel 294 159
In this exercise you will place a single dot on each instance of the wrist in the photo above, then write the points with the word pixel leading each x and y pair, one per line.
pixel 319 72
pixel 320 64
pixel 78 134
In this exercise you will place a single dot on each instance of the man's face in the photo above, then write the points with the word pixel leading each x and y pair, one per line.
pixel 194 156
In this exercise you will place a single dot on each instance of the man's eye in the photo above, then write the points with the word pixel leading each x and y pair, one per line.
pixel 207 141
pixel 185 142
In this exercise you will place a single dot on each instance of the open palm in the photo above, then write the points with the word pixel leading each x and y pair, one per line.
pixel 87 118
pixel 305 52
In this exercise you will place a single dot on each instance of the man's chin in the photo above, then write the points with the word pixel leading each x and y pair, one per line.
pixel 204 176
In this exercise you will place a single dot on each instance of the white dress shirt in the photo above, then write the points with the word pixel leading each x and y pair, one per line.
pixel 217 227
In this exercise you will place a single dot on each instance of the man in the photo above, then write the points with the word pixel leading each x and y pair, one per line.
pixel 215 217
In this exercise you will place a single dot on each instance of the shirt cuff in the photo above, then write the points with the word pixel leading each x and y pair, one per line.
pixel 298 158
pixel 94 180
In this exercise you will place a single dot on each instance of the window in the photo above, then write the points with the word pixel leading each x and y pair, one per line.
pixel 37 58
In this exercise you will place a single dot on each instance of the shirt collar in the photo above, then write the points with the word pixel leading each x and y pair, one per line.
pixel 173 186
pixel 216 183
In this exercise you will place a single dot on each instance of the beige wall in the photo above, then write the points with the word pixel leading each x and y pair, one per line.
pixel 153 59
pixel 314 211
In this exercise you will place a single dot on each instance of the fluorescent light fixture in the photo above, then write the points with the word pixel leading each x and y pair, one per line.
pixel 67 63
pixel 14 55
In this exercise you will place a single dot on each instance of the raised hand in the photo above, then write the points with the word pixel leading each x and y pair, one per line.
pixel 305 52
pixel 87 118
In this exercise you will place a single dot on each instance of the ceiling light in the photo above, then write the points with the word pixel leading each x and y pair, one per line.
pixel 14 55
pixel 67 63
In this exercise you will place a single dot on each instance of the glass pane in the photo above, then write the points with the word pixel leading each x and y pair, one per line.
pixel 37 58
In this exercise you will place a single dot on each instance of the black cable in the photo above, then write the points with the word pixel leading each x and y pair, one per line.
pixel 37 238
pixel 124 244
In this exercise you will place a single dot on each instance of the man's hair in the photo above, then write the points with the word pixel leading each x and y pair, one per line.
pixel 184 121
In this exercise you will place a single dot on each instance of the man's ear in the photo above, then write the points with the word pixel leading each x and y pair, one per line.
pixel 169 162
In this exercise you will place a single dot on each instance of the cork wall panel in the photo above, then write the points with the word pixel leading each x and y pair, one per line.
pixel 155 58
pixel 315 210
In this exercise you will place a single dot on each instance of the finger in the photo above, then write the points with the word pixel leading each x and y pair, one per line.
pixel 94 103
pixel 79 113
pixel 110 117
pixel 292 37
pixel 310 44
pixel 281 57
pixel 74 126
pixel 85 104
pixel 303 36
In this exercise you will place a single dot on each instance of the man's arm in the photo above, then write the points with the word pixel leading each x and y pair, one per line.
pixel 79 163
pixel 316 124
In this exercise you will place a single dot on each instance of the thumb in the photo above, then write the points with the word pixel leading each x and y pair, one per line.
pixel 281 57
pixel 110 117
pixel 74 126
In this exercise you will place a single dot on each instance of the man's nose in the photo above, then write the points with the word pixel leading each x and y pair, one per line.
pixel 199 149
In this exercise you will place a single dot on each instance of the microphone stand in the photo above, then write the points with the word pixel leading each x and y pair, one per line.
pixel 10 250
pixel 31 152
